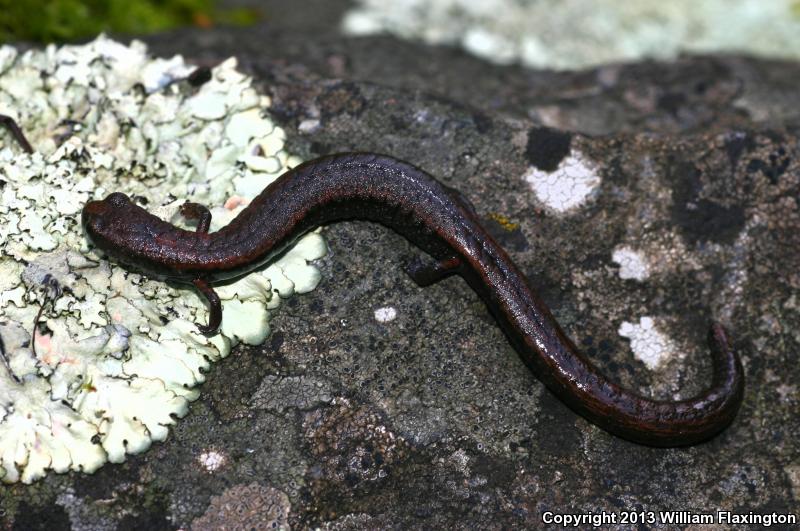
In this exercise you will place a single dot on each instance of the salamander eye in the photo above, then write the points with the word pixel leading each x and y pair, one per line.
pixel 117 199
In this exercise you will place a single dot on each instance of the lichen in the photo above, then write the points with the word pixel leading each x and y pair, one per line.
pixel 581 33
pixel 251 506
pixel 351 444
pixel 649 346
pixel 504 221
pixel 212 460
pixel 279 393
pixel 119 356
pixel 567 187
pixel 386 314
pixel 632 264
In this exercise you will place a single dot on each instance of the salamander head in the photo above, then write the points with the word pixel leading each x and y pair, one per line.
pixel 129 234
pixel 121 228
pixel 102 219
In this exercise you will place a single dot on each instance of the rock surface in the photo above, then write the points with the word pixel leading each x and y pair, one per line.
pixel 429 420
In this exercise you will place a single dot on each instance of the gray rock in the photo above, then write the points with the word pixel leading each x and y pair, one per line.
pixel 431 420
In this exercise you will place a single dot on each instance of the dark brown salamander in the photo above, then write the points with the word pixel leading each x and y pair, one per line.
pixel 440 222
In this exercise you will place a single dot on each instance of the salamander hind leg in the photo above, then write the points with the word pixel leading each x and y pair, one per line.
pixel 214 307
pixel 196 211
pixel 426 272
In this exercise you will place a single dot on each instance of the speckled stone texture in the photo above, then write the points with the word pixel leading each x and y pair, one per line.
pixel 430 420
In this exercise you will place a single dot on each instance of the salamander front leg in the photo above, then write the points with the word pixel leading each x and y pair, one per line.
pixel 9 123
pixel 214 307
pixel 198 212
pixel 425 273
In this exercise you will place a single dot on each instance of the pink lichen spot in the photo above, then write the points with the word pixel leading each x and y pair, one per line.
pixel 235 201
pixel 45 350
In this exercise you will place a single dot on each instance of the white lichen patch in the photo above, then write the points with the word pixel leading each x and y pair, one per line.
pixel 649 346
pixel 632 263
pixel 212 460
pixel 120 356
pixel 568 186
pixel 385 314
pixel 581 33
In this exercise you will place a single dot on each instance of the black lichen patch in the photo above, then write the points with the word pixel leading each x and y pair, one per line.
pixel 498 472
pixel 547 147
pixel 709 221
pixel 483 123
pixel 106 480
pixel 276 340
pixel 776 165
pixel 30 518
pixel 701 220
pixel 672 102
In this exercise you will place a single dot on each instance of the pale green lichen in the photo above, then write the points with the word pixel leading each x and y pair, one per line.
pixel 121 357
pixel 581 33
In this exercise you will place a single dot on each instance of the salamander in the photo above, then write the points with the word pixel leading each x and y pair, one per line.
pixel 443 224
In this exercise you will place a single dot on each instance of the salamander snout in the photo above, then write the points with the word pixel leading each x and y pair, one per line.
pixel 92 219
pixel 93 213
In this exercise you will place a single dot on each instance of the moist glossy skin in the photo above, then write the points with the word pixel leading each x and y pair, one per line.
pixel 441 223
